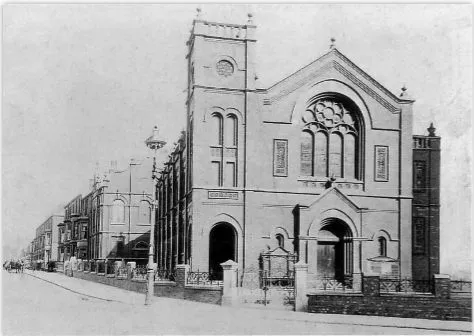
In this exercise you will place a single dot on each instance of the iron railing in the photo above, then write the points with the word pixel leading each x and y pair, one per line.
pixel 121 272
pixel 405 285
pixel 165 275
pixel 110 269
pixel 334 285
pixel 93 266
pixel 140 272
pixel 461 286
pixel 204 278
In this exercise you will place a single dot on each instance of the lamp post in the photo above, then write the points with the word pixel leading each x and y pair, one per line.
pixel 154 143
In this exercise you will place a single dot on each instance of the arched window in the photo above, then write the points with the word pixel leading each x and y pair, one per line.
pixel 217 130
pixel 224 150
pixel 333 125
pixel 230 130
pixel 335 155
pixel 144 212
pixel 349 156
pixel 118 211
pixel 280 240
pixel 382 246
pixel 306 153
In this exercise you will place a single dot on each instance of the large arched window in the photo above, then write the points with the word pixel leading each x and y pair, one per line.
pixel 217 130
pixel 118 211
pixel 144 212
pixel 230 131
pixel 330 139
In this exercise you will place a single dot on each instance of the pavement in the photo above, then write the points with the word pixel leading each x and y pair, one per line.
pixel 113 294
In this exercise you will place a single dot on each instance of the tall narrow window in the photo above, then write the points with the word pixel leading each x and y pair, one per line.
pixel 321 150
pixel 144 213
pixel 349 156
pixel 217 128
pixel 118 212
pixel 230 131
pixel 306 154
pixel 280 240
pixel 335 148
pixel 382 246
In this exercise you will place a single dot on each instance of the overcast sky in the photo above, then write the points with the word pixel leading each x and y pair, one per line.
pixel 84 84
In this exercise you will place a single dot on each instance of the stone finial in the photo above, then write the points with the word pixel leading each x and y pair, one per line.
pixel 250 20
pixel 333 43
pixel 198 13
pixel 431 130
pixel 404 91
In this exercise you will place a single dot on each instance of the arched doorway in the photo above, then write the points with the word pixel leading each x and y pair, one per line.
pixel 335 252
pixel 222 247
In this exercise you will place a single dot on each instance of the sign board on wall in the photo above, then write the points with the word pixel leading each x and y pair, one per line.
pixel 280 157
pixel 222 194
pixel 381 163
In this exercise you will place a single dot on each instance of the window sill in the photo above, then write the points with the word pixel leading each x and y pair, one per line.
pixel 326 179
pixel 143 224
pixel 117 223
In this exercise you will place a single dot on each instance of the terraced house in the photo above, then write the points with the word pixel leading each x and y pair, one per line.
pixel 322 167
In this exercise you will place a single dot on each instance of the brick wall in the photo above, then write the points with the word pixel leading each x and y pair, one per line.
pixel 415 306
pixel 171 290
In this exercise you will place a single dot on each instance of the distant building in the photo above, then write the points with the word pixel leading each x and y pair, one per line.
pixel 320 165
pixel 45 244
pixel 73 231
pixel 119 212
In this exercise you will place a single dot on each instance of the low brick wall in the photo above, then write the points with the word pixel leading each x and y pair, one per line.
pixel 170 290
pixel 414 306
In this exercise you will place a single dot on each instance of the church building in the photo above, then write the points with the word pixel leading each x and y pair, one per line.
pixel 322 165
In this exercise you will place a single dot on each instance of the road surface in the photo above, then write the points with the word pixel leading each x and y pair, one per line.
pixel 32 306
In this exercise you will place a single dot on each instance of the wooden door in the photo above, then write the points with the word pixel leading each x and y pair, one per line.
pixel 327 259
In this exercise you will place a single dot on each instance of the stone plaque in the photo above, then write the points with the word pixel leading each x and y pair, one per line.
pixel 280 157
pixel 222 194
pixel 381 163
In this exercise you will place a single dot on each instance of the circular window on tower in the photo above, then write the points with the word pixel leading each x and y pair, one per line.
pixel 224 68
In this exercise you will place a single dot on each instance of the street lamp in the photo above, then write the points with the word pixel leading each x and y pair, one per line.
pixel 154 143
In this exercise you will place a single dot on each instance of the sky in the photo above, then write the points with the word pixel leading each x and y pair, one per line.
pixel 84 84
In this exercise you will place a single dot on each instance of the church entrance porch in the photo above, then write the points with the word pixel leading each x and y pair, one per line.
pixel 333 256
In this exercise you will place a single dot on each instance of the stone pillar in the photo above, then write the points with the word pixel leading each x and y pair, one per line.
pixel 301 274
pixel 442 286
pixel 181 274
pixel 229 295
pixel 371 285
pixel 357 272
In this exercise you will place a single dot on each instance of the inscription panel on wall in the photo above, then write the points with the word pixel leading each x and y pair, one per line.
pixel 280 157
pixel 222 194
pixel 381 163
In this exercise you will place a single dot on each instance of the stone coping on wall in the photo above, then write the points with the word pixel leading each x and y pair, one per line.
pixel 165 283
pixel 215 288
pixel 335 293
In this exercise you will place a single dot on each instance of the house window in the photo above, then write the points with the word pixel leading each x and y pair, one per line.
pixel 144 212
pixel 118 211
pixel 280 240
pixel 329 140
pixel 224 149
pixel 382 247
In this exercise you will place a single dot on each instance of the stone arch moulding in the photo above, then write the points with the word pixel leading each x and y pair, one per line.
pixel 224 113
pixel 119 197
pixel 332 213
pixel 223 217
pixel 226 58
pixel 283 231
pixel 382 233
pixel 328 87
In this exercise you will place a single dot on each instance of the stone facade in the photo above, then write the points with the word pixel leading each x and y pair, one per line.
pixel 119 213
pixel 44 247
pixel 319 164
